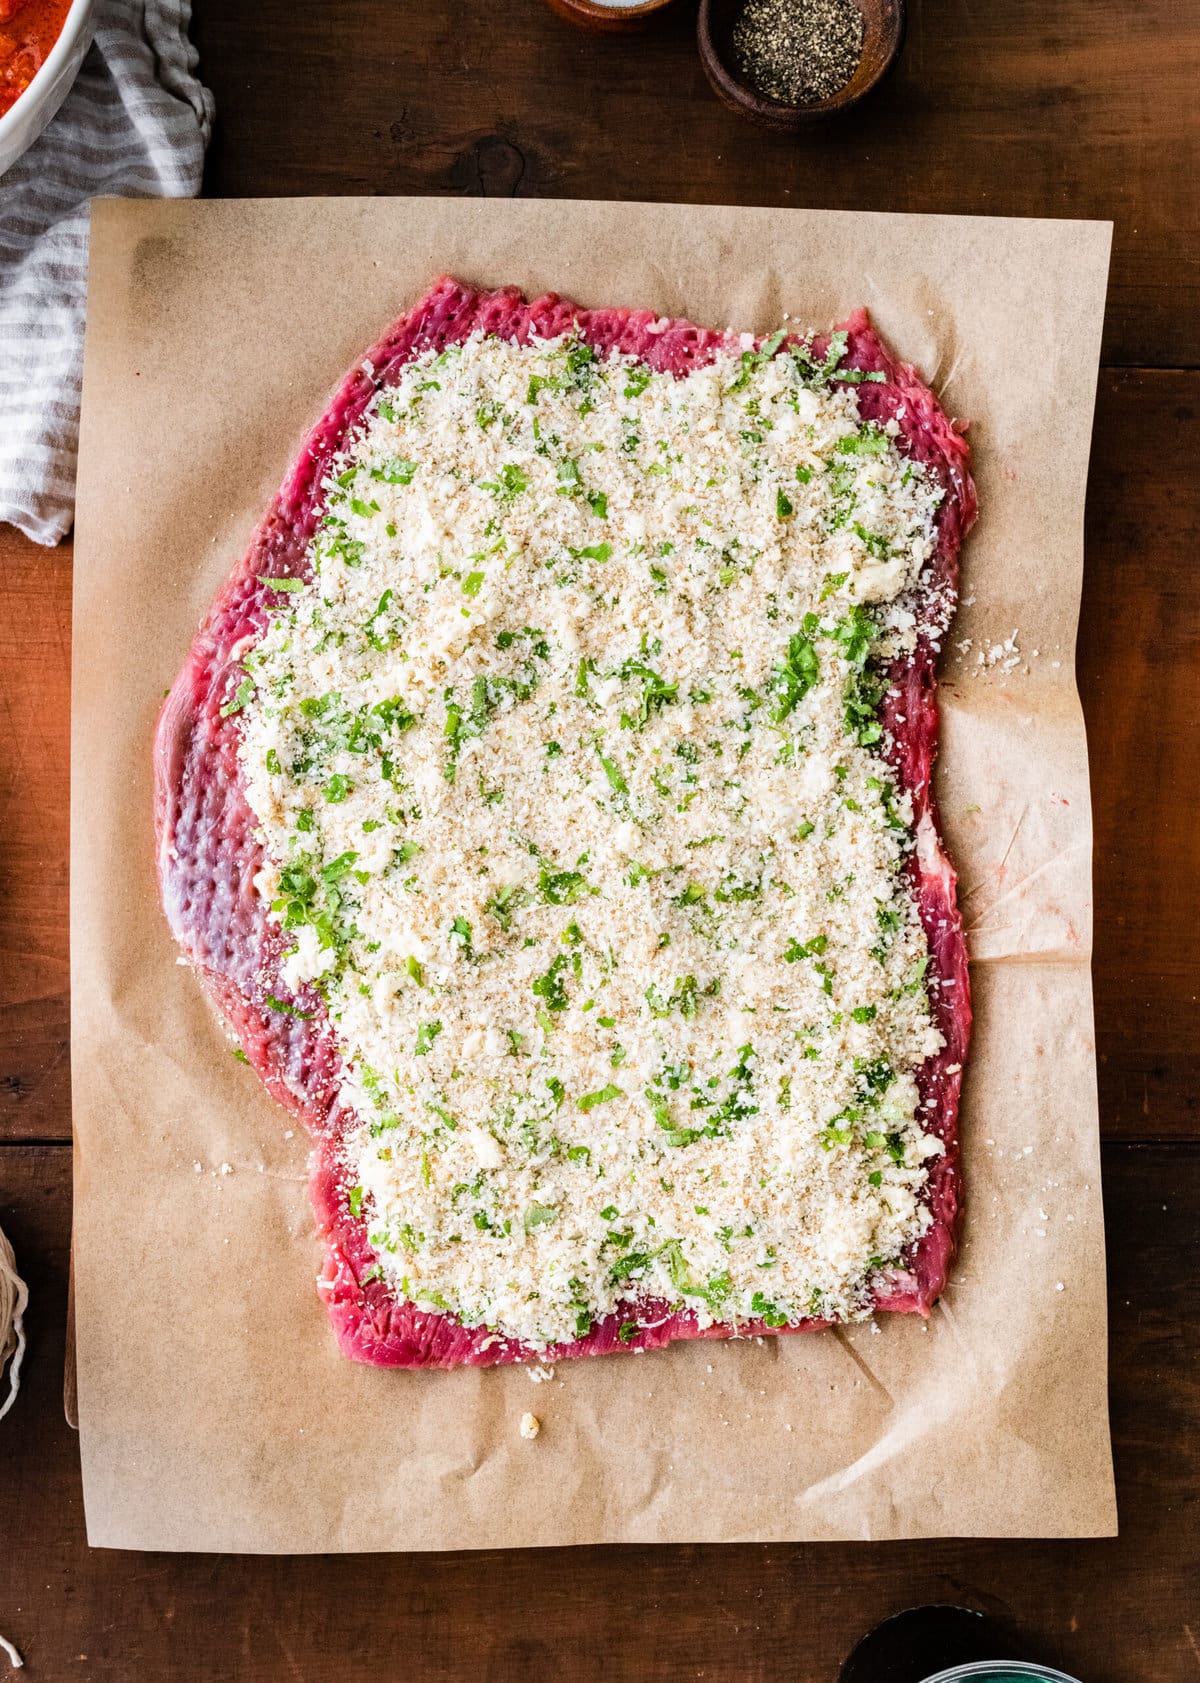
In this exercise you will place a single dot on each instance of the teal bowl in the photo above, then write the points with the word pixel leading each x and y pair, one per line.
pixel 1001 1671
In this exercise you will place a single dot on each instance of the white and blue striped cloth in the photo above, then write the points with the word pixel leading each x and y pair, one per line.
pixel 135 124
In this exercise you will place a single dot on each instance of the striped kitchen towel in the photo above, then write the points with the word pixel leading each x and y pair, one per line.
pixel 135 125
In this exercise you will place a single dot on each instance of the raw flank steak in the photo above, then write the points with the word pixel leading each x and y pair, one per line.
pixel 208 854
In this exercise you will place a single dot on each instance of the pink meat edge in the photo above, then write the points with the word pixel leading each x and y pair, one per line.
pixel 910 716
pixel 368 1322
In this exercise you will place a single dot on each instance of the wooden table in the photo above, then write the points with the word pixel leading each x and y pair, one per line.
pixel 1076 108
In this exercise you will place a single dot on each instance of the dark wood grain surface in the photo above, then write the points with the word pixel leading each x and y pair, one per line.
pixel 1079 108
pixel 996 107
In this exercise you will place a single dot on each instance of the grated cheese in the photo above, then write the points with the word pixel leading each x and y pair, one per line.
pixel 573 802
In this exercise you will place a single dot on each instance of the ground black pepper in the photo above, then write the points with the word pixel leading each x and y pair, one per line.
pixel 798 51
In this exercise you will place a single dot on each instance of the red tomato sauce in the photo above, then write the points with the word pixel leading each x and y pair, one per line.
pixel 28 30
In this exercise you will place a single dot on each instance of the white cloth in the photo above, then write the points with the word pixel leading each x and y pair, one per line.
pixel 134 125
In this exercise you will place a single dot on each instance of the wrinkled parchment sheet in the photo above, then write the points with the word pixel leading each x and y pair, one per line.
pixel 215 1411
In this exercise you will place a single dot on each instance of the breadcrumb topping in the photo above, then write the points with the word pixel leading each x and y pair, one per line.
pixel 576 815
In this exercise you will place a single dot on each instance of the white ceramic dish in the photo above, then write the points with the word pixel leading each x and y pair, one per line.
pixel 20 126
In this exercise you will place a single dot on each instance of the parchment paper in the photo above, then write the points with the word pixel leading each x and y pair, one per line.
pixel 215 1412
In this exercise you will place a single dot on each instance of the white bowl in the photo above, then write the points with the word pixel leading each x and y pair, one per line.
pixel 20 126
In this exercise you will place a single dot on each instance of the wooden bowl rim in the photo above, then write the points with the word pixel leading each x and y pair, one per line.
pixel 776 114
pixel 593 10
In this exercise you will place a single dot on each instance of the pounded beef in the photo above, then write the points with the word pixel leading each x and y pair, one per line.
pixel 208 855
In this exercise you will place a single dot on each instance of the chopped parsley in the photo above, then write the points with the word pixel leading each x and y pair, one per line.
pixel 589 1101
pixel 426 1035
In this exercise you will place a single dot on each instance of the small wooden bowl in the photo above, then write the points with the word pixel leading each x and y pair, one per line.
pixel 883 36
pixel 588 14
